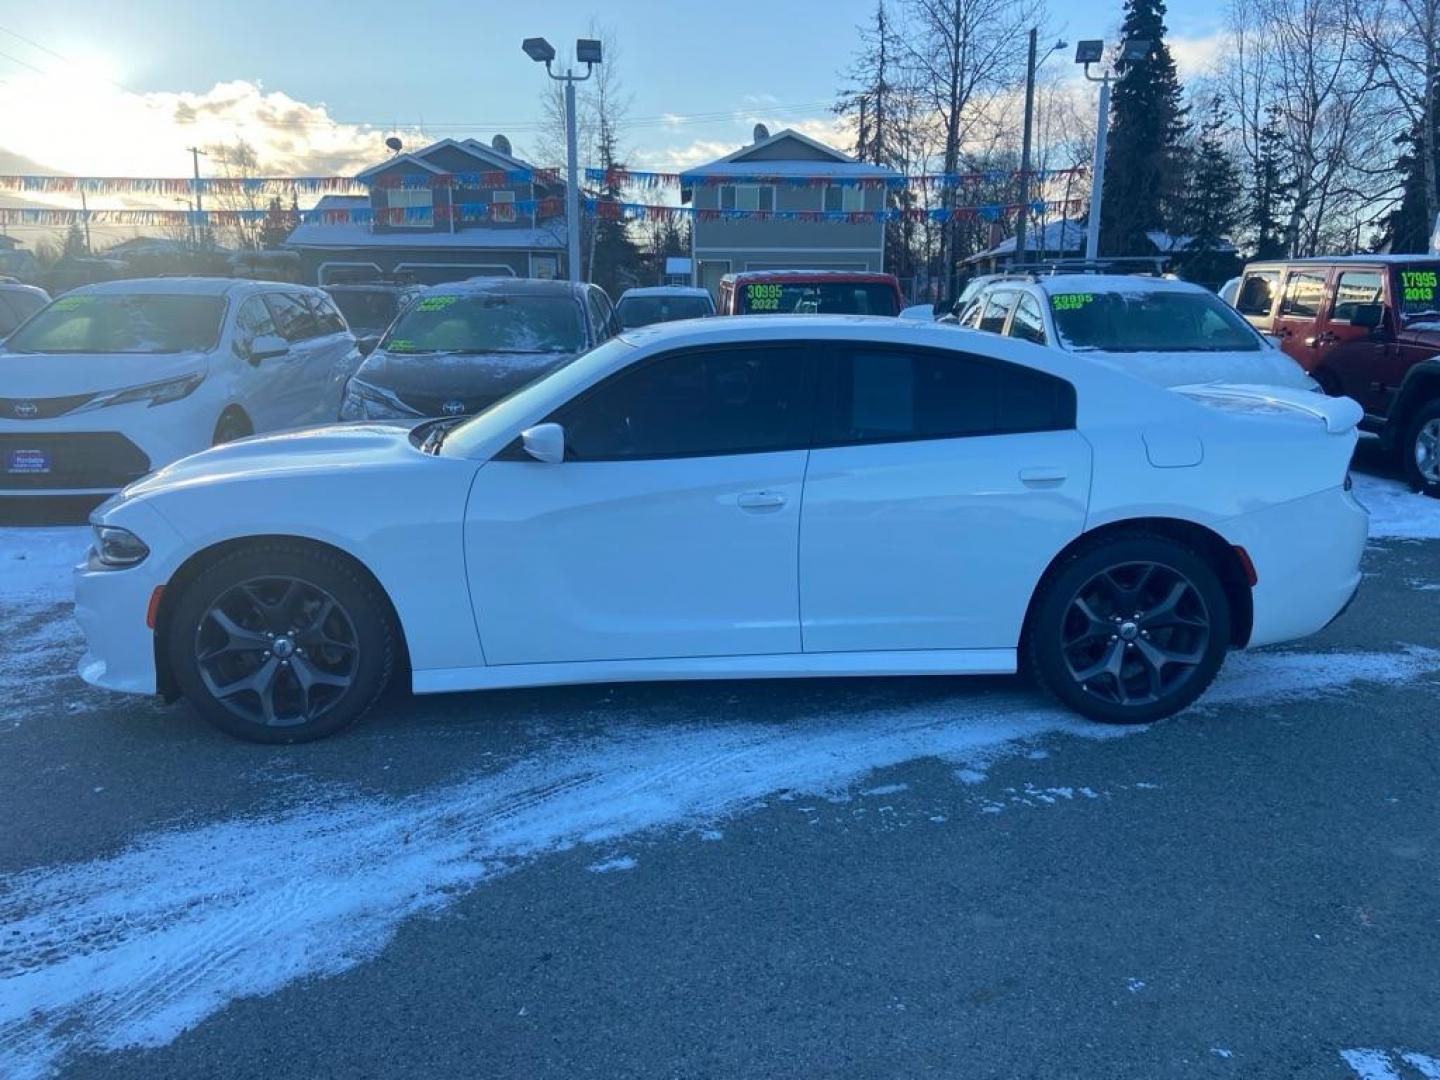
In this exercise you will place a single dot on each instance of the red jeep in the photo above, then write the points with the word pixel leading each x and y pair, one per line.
pixel 810 292
pixel 1366 326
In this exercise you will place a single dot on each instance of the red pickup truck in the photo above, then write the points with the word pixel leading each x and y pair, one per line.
pixel 1367 327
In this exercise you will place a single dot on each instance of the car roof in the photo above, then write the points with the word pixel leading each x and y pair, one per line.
pixel 809 275
pixel 788 326
pixel 20 286
pixel 1111 283
pixel 509 286
pixel 1341 260
pixel 666 290
pixel 184 286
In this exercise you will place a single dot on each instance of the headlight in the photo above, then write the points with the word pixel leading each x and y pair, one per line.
pixel 117 548
pixel 365 402
pixel 157 393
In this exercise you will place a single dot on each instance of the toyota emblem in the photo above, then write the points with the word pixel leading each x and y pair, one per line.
pixel 25 410
pixel 453 408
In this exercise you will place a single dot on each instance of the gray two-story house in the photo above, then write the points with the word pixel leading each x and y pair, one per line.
pixel 474 217
pixel 767 175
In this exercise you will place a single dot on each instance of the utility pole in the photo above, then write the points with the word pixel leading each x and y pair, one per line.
pixel 1024 214
pixel 85 218
pixel 195 154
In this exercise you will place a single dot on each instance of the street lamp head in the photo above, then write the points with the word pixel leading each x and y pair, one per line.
pixel 587 51
pixel 538 49
pixel 1135 50
pixel 1089 52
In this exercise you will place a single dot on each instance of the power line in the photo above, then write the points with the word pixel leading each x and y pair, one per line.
pixel 58 56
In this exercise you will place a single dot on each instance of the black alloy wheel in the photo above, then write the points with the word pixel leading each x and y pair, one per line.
pixel 1130 630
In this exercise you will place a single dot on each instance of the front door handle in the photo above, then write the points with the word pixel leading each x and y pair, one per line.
pixel 760 500
pixel 1043 476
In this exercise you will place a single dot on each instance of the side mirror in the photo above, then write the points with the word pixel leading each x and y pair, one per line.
pixel 367 344
pixel 267 347
pixel 1371 316
pixel 544 442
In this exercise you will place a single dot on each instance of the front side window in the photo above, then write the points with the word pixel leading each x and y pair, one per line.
pixel 848 199
pixel 1354 288
pixel 123 323
pixel 817 298
pixel 488 323
pixel 253 321
pixel 996 306
pixel 328 319
pixel 1418 298
pixel 1163 321
pixel 707 402
pixel 1303 295
pixel 1257 293
pixel 747 197
pixel 884 394
pixel 1028 323
pixel 293 318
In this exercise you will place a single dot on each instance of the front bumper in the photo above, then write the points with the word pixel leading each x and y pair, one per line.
pixel 1307 556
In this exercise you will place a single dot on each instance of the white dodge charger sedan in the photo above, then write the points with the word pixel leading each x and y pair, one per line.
pixel 739 498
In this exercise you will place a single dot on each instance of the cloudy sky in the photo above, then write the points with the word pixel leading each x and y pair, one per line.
pixel 107 88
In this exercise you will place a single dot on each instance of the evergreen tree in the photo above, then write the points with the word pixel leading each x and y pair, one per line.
pixel 1209 208
pixel 614 258
pixel 275 228
pixel 1407 228
pixel 1144 160
pixel 1269 191
pixel 75 246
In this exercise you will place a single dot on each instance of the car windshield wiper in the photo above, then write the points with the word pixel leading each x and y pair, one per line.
pixel 435 437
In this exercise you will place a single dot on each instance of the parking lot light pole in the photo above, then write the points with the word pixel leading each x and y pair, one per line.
pixel 587 51
pixel 1087 53
pixel 1032 65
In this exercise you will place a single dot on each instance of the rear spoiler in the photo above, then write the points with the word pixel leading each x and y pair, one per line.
pixel 1338 414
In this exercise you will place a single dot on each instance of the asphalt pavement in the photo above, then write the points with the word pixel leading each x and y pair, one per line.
pixel 832 878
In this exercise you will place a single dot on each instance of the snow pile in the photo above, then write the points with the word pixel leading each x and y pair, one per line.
pixel 131 950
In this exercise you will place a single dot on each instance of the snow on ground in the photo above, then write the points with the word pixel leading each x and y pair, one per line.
pixel 131 950
pixel 1370 1064
pixel 1396 512
pixel 35 564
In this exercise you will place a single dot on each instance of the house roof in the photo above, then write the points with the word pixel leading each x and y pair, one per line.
pixel 1056 236
pixel 359 234
pixel 738 163
pixel 391 162
pixel 486 156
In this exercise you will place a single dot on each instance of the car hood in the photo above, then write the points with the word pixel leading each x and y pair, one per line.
pixel 49 375
pixel 429 382
pixel 374 443
pixel 1269 367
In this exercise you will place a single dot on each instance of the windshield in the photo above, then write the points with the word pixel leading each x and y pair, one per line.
pixel 1417 292
pixel 123 323
pixel 1161 321
pixel 520 405
pixel 644 310
pixel 818 298
pixel 488 323
pixel 367 309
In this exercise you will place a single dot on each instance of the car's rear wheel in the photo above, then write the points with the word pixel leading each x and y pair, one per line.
pixel 281 643
pixel 1129 629
pixel 1421 450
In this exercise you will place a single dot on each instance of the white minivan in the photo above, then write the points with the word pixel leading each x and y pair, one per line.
pixel 114 380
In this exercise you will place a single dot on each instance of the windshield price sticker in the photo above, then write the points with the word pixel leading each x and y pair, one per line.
pixel 69 303
pixel 1418 284
pixel 762 297
pixel 1071 301
pixel 436 303
pixel 400 345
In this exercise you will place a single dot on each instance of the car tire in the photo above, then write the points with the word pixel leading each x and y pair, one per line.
pixel 1129 629
pixel 231 426
pixel 1420 450
pixel 281 643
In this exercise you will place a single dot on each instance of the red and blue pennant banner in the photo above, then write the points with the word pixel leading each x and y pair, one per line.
pixel 615 210
pixel 500 213
pixel 639 178
pixel 174 185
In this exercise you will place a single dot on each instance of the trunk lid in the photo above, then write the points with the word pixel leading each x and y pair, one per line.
pixel 1338 414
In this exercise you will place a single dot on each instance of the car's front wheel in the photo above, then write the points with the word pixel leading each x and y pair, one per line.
pixel 281 643
pixel 1129 629
pixel 1421 450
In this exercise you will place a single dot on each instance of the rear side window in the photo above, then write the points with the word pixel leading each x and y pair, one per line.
pixel 328 319
pixel 698 403
pixel 293 318
pixel 1257 293
pixel 995 306
pixel 876 393
pixel 1028 324
pixel 1303 295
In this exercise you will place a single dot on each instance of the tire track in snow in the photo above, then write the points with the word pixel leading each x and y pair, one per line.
pixel 131 950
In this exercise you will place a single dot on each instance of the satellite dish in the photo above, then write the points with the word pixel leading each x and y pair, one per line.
pixel 501 143
pixel 761 133
pixel 394 144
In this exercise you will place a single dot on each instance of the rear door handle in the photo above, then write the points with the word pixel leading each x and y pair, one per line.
pixel 1043 476
pixel 760 500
